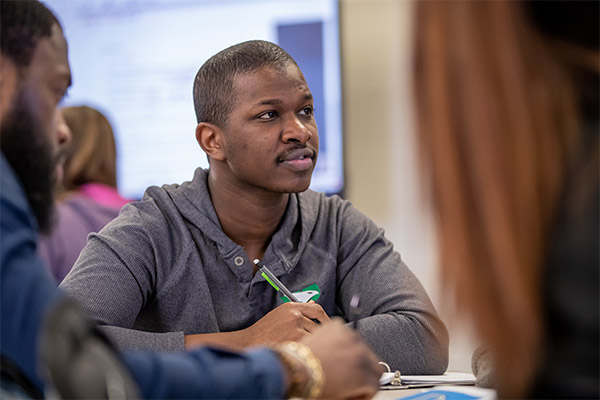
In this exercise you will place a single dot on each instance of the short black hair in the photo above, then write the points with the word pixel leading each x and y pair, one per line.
pixel 22 24
pixel 214 93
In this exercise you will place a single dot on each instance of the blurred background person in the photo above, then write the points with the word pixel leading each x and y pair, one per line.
pixel 88 195
pixel 507 97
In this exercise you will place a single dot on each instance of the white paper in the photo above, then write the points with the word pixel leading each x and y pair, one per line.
pixel 448 377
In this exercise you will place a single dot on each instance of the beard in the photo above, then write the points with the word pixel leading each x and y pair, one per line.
pixel 27 148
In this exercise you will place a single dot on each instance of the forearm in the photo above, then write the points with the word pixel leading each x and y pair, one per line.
pixel 236 340
pixel 399 322
pixel 409 343
pixel 131 339
pixel 287 322
pixel 240 340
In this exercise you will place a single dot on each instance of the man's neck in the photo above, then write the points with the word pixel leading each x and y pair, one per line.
pixel 248 218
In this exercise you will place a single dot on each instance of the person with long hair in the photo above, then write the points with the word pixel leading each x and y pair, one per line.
pixel 507 99
pixel 88 197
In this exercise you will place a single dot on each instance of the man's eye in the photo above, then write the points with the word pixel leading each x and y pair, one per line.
pixel 268 115
pixel 307 111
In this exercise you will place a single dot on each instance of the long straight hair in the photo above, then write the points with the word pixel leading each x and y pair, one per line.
pixel 497 118
pixel 92 154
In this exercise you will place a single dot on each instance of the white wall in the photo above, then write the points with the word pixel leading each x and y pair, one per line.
pixel 381 159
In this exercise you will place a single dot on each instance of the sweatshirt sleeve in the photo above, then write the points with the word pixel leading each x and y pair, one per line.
pixel 207 373
pixel 399 321
pixel 117 274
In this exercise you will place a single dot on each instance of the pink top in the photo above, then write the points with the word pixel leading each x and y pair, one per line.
pixel 77 215
pixel 103 194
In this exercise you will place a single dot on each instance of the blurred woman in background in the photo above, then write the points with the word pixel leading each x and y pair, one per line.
pixel 507 97
pixel 88 196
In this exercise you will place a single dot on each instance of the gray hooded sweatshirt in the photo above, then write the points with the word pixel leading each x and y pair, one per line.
pixel 164 268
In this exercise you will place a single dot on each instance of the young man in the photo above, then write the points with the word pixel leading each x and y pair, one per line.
pixel 175 270
pixel 36 314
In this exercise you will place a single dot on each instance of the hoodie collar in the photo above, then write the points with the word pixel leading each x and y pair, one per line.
pixel 192 199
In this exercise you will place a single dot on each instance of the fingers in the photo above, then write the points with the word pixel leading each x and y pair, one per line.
pixel 311 311
pixel 350 367
pixel 307 324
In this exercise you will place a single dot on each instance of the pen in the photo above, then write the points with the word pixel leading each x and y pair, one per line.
pixel 272 279
pixel 276 283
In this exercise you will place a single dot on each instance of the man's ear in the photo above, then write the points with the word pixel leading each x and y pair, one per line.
pixel 210 138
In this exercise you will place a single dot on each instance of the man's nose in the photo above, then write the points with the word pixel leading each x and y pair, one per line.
pixel 63 132
pixel 296 131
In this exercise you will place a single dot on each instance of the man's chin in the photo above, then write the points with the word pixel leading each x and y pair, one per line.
pixel 296 187
pixel 302 188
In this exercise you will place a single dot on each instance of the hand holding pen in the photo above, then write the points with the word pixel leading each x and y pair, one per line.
pixel 277 285
pixel 288 322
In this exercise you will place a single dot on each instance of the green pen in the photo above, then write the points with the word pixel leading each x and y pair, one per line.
pixel 273 281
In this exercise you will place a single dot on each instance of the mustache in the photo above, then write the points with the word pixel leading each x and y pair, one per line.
pixel 298 150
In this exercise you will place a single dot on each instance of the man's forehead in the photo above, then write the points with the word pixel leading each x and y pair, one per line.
pixel 265 79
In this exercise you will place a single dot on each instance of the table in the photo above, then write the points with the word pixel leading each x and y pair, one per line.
pixel 396 393
pixel 470 390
